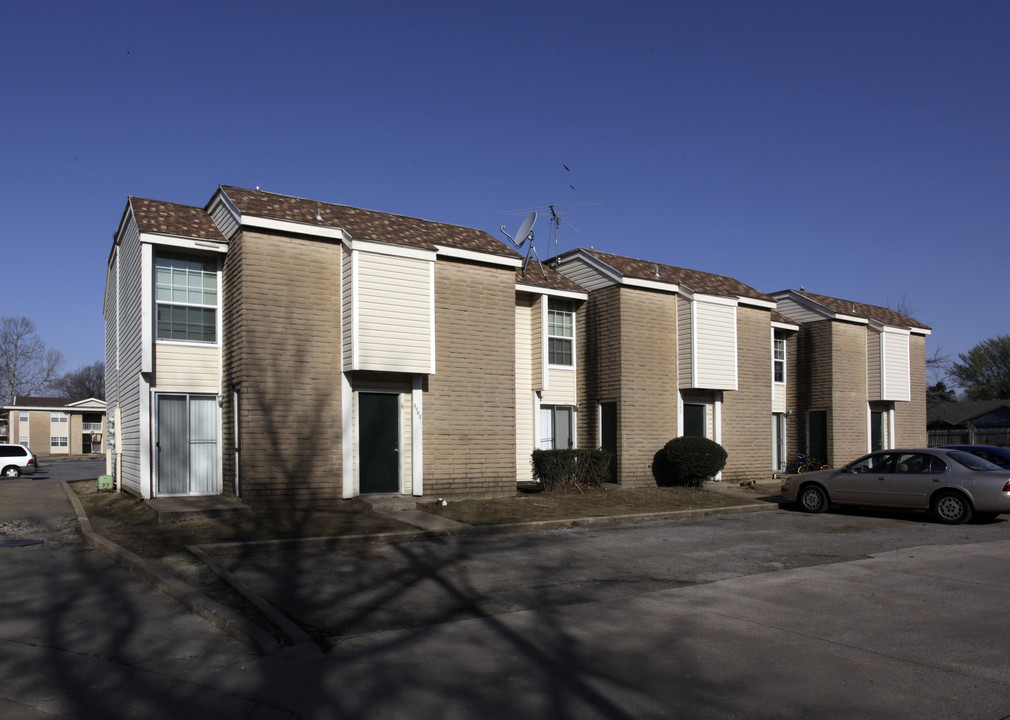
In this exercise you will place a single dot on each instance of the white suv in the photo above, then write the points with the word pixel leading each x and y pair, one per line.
pixel 17 460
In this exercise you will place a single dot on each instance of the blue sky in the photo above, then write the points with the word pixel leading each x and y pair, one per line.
pixel 857 149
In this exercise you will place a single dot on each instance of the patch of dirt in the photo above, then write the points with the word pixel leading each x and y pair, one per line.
pixel 573 503
pixel 124 519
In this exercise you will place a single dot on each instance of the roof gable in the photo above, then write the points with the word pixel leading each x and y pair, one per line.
pixel 165 218
pixel 832 307
pixel 695 281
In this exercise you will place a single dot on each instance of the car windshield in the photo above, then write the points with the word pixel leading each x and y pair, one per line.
pixel 972 462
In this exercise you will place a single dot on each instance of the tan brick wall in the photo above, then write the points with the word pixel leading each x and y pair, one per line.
pixel 282 350
pixel 847 419
pixel 469 408
pixel 910 417
pixel 747 411
pixel 647 406
pixel 598 348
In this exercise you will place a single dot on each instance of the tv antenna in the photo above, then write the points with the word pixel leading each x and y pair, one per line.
pixel 525 233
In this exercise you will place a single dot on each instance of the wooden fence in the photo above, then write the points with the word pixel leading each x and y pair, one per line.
pixel 969 436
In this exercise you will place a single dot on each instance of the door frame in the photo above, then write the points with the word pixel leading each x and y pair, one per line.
pixel 217 488
pixel 357 439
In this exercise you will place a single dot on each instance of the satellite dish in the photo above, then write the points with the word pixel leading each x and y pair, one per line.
pixel 524 230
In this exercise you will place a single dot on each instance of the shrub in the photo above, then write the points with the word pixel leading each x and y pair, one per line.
pixel 692 460
pixel 556 468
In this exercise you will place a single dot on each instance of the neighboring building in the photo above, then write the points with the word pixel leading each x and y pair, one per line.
pixel 972 422
pixel 57 426
pixel 282 349
pixel 670 352
pixel 861 377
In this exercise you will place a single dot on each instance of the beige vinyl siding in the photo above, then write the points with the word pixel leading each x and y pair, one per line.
pixel 393 309
pixel 561 390
pixel 346 308
pixel 895 356
pixel 537 312
pixel 685 342
pixel 779 397
pixel 874 369
pixel 713 346
pixel 525 440
pixel 187 368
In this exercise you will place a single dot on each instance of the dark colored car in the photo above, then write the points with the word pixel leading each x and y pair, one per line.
pixel 953 484
pixel 993 453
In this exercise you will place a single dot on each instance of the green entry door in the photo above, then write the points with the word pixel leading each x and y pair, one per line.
pixel 378 442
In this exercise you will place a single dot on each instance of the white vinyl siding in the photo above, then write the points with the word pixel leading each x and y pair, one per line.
pixel 585 275
pixel 189 368
pixel 131 341
pixel 712 351
pixel 393 305
pixel 561 390
pixel 224 218
pixel 895 380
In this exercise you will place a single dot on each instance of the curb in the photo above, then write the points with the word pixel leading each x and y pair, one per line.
pixel 264 642
pixel 222 617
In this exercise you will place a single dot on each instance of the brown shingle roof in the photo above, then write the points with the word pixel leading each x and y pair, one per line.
pixel 693 280
pixel 41 402
pixel 882 315
pixel 165 218
pixel 365 224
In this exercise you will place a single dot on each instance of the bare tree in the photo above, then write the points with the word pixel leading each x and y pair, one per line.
pixel 85 382
pixel 27 365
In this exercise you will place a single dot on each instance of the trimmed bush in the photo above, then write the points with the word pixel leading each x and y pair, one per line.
pixel 557 468
pixel 693 460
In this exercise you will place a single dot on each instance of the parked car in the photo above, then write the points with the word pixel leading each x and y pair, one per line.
pixel 17 460
pixel 955 485
pixel 993 453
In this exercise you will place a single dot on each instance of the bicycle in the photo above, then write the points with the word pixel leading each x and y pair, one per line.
pixel 805 463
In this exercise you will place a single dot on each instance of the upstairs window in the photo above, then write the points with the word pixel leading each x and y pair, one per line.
pixel 560 332
pixel 779 357
pixel 186 293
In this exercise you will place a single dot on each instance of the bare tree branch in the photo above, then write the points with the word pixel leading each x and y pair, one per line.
pixel 85 382
pixel 27 365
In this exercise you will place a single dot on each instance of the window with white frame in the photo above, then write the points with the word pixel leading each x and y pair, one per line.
pixel 23 417
pixel 779 357
pixel 560 332
pixel 59 441
pixel 187 297
pixel 556 426
pixel 57 417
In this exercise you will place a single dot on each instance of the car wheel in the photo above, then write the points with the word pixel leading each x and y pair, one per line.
pixel 12 471
pixel 952 508
pixel 813 499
